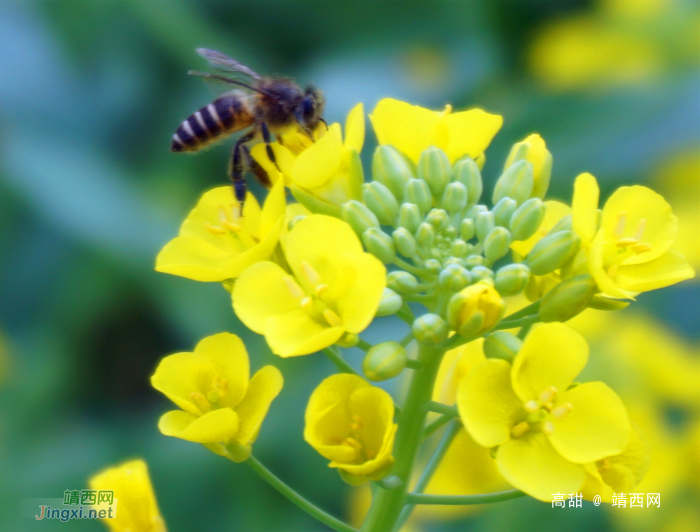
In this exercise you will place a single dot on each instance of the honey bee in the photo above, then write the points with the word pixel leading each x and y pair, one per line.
pixel 270 106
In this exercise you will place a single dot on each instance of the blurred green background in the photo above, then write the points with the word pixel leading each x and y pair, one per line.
pixel 90 94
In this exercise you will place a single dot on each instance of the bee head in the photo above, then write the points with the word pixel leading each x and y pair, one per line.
pixel 312 107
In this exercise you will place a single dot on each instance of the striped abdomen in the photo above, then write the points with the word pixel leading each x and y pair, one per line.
pixel 225 115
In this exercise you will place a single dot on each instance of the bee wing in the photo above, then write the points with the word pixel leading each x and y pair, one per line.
pixel 224 62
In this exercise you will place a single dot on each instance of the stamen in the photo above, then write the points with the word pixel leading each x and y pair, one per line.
pixel 235 209
pixel 620 225
pixel 352 442
pixel 356 423
pixel 547 427
pixel 562 410
pixel 447 110
pixel 603 465
pixel 625 242
pixel 200 402
pixel 293 288
pixel 222 215
pixel 311 276
pixel 532 406
pixel 519 429
pixel 547 395
pixel 642 247
pixel 332 318
pixel 215 229
pixel 639 230
pixel 321 289
pixel 307 303
pixel 234 228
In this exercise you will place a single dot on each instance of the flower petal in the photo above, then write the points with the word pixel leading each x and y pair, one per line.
pixel 487 404
pixel 179 375
pixel 284 158
pixel 666 270
pixel 455 366
pixel 551 355
pixel 531 464
pixel 210 208
pixel 274 208
pixel 216 426
pixel 584 207
pixel 198 259
pixel 320 162
pixel 229 358
pixel 265 385
pixel 597 426
pixel 375 408
pixel 355 128
pixel 470 132
pixel 358 304
pixel 296 333
pixel 595 266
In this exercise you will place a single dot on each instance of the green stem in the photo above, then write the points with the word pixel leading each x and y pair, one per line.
pixel 525 311
pixel 406 339
pixel 365 346
pixel 434 406
pixel 436 424
pixel 522 322
pixel 522 333
pixel 301 502
pixel 408 267
pixel 339 361
pixel 461 500
pixel 406 314
pixel 413 363
pixel 387 504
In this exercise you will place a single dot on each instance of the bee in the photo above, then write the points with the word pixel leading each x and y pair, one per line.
pixel 266 105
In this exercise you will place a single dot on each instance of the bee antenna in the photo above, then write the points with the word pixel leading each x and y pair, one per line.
pixel 227 80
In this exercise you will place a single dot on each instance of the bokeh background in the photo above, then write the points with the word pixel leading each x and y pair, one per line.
pixel 90 93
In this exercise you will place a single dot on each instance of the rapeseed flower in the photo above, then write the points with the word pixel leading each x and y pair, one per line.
pixel 476 309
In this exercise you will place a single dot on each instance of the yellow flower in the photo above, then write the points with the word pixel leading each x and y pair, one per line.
pixel 350 422
pixel 454 367
pixel 534 150
pixel 545 430
pixel 137 509
pixel 221 406
pixel 554 211
pixel 631 250
pixel 323 174
pixel 215 244
pixel 475 310
pixel 412 129
pixel 335 288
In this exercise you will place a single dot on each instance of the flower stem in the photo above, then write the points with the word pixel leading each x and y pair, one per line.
pixel 339 361
pixel 521 322
pixel 525 311
pixel 301 502
pixel 434 406
pixel 460 500
pixel 365 346
pixel 435 425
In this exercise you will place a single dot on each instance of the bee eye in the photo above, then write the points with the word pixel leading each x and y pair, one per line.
pixel 308 108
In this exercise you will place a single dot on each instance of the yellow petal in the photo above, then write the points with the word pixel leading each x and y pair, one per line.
pixel 554 212
pixel 358 302
pixel 229 358
pixel 273 209
pixel 377 467
pixel 625 471
pixel 531 464
pixel 470 132
pixel 179 375
pixel 455 366
pixel 487 404
pixel 551 355
pixel 217 426
pixel 409 128
pixel 596 269
pixel 265 385
pixel 296 333
pixel 666 270
pixel 355 128
pixel 597 426
pixel 284 158
pixel 196 258
pixel 375 408
pixel 261 293
pixel 637 203
pixel 208 210
pixel 584 207
pixel 316 165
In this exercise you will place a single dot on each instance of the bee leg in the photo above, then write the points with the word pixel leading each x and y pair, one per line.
pixel 302 125
pixel 268 140
pixel 258 171
pixel 236 171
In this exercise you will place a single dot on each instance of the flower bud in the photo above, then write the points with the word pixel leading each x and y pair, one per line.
pixel 454 260
pixel 390 303
pixel 459 248
pixel 565 224
pixel 379 244
pixel 358 216
pixel 527 219
pixel 434 168
pixel 484 224
pixel 438 218
pixel 481 273
pixel 539 286
pixel 475 310
pixel 552 252
pixel 430 329
pixel 454 200
pixel 476 209
pixel 467 172
pixel 380 201
pixel 390 169
pixel 515 182
pixel 454 277
pixel 467 230
pixel 405 242
pixel 348 340
pixel 418 192
pixel 599 302
pixel 449 232
pixel 512 279
pixel 425 235
pixel 433 266
pixel 503 211
pixel 384 361
pixel 409 217
pixel 567 299
pixel 497 244
pixel 503 345
pixel 402 282
pixel 534 150
pixel 474 260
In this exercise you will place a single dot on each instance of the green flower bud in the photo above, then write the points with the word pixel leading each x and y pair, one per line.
pixel 454 260
pixel 467 230
pixel 552 252
pixel 402 282
pixel 381 202
pixel 475 310
pixel 434 168
pixel 534 150
pixel 474 260
pixel 348 340
pixel 567 299
pixel 433 266
pixel 503 210
pixel 480 273
pixel 497 244
pixel 599 302
pixel 390 303
pixel 512 279
pixel 565 224
pixel 503 345
pixel 516 182
pixel 454 277
pixel 418 192
pixel 484 224
pixel 390 168
pixel 476 209
pixel 430 329
pixel 449 232
pixel 425 235
pixel 384 361
pixel 358 216
pixel 527 219
pixel 409 217
pixel 467 172
pixel 438 218
pixel 481 160
pixel 459 248
pixel 405 242
pixel 379 244
pixel 454 200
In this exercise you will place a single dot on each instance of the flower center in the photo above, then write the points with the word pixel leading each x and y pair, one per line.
pixel 539 410
pixel 626 246
pixel 353 439
pixel 210 401
pixel 313 303
pixel 229 223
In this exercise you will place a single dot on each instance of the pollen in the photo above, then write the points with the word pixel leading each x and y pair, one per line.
pixel 307 303
pixel 215 229
pixel 642 247
pixel 519 429
pixel 547 395
pixel 562 410
pixel 547 427
pixel 352 442
pixel 356 423
pixel 332 318
pixel 532 406
pixel 321 289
